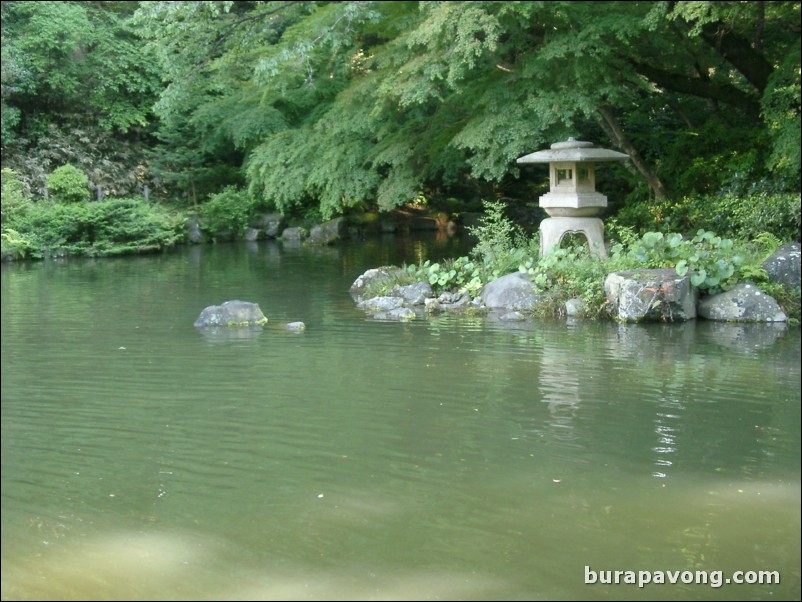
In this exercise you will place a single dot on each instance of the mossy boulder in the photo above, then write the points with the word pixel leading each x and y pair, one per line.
pixel 231 313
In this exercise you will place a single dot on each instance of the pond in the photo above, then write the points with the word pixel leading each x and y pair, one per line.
pixel 451 458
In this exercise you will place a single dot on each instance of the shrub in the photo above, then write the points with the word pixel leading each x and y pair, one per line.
pixel 112 227
pixel 728 214
pixel 709 260
pixel 131 225
pixel 15 245
pixel 52 227
pixel 68 184
pixel 13 202
pixel 497 235
pixel 229 210
pixel 567 273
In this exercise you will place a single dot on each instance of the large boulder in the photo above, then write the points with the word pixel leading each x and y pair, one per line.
pixel 193 231
pixel 253 234
pixel 743 303
pixel 327 232
pixel 657 295
pixel 294 234
pixel 271 223
pixel 369 277
pixel 413 294
pixel 231 313
pixel 784 265
pixel 513 291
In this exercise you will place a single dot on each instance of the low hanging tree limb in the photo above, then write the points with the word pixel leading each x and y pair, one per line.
pixel 696 86
pixel 740 53
pixel 610 124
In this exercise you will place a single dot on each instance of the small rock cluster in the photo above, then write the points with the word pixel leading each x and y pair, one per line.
pixel 408 301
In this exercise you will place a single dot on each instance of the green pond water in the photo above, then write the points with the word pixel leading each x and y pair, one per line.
pixel 448 458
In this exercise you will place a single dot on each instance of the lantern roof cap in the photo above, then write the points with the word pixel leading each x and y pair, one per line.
pixel 573 150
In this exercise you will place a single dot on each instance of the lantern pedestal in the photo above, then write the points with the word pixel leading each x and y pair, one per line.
pixel 552 230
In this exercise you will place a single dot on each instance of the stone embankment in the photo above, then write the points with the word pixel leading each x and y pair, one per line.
pixel 648 295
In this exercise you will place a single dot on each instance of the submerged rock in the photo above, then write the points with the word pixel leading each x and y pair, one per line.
pixel 231 313
pixel 295 326
pixel 381 303
pixel 399 314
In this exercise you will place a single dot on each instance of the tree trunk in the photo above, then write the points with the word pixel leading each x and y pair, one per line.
pixel 610 125
pixel 194 193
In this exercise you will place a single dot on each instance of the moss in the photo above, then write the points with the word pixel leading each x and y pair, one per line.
pixel 261 322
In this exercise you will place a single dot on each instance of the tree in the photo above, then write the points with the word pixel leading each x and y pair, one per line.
pixel 77 58
pixel 78 89
pixel 331 105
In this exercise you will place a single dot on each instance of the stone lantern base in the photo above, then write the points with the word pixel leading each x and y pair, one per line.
pixel 553 229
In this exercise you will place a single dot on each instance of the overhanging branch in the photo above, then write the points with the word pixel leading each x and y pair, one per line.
pixel 698 87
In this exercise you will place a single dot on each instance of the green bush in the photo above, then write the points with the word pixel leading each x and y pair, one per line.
pixel 68 184
pixel 51 228
pixel 229 210
pixel 497 235
pixel 777 214
pixel 13 202
pixel 568 273
pixel 131 225
pixel 727 214
pixel 15 245
pixel 112 227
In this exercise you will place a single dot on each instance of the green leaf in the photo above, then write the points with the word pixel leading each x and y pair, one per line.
pixel 698 278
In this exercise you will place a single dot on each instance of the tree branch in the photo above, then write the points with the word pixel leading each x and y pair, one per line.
pixel 249 17
pixel 737 51
pixel 698 87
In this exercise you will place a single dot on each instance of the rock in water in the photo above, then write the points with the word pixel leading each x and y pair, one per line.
pixel 231 313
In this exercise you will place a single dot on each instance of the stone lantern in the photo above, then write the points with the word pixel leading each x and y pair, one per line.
pixel 572 200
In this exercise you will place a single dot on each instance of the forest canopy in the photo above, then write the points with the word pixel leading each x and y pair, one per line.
pixel 327 106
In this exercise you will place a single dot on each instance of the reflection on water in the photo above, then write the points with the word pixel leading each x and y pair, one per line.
pixel 456 457
pixel 223 335
pixel 742 338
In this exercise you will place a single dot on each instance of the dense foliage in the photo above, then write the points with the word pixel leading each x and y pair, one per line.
pixel 76 88
pixel 321 108
pixel 342 104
